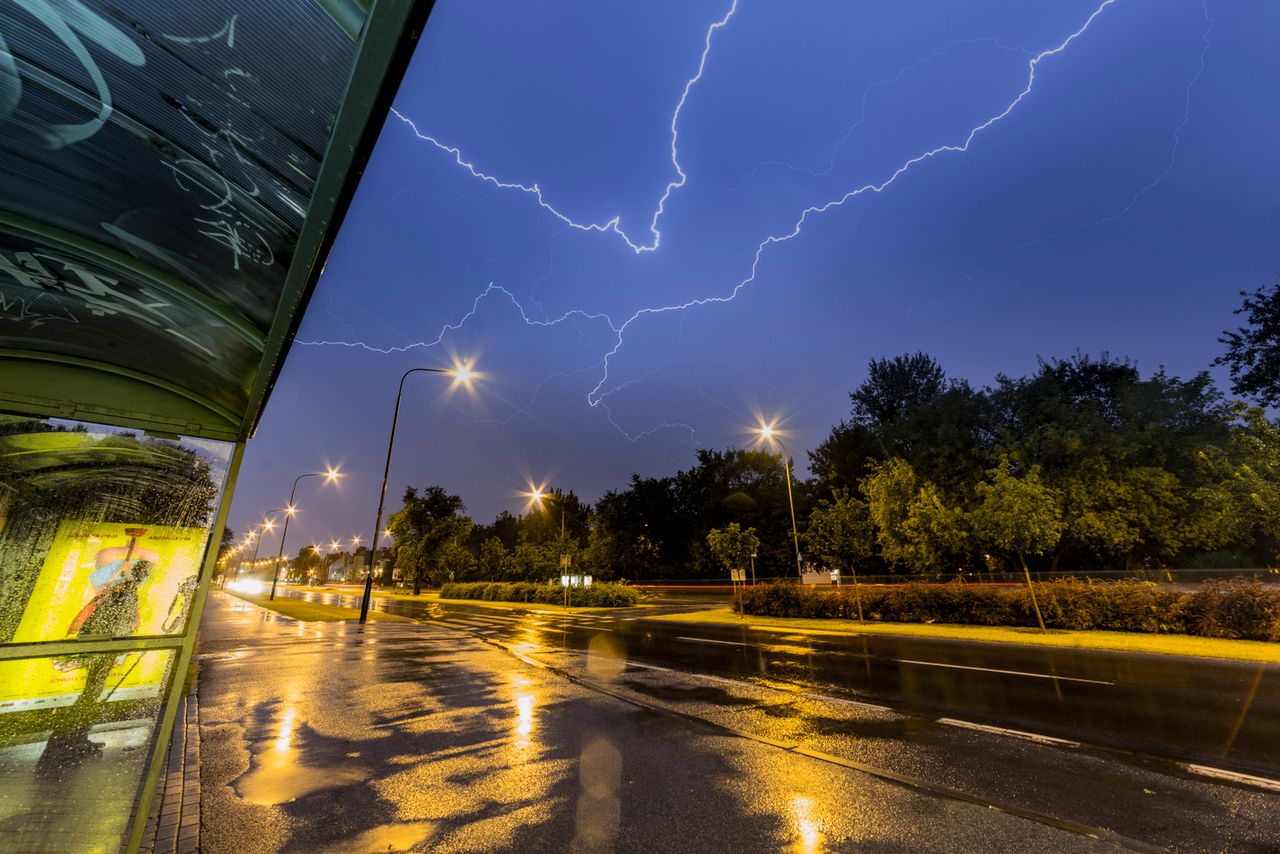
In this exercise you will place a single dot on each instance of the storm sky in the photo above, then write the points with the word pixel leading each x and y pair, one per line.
pixel 990 182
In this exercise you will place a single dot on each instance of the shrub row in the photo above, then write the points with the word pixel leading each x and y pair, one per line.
pixel 1239 608
pixel 599 595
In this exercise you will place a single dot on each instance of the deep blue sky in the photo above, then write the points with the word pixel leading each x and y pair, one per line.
pixel 1119 206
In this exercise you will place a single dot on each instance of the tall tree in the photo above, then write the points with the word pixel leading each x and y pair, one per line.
pixel 1253 350
pixel 841 533
pixel 427 523
pixel 732 546
pixel 1018 515
pixel 894 386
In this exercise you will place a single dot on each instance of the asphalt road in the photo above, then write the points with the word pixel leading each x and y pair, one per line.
pixel 1017 737
pixel 1208 711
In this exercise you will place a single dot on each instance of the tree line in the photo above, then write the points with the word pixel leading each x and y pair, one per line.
pixel 1083 464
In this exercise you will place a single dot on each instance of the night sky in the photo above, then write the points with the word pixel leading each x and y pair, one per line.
pixel 1118 206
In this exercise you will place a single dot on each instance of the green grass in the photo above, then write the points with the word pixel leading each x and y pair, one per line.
pixel 434 596
pixel 311 611
pixel 1121 641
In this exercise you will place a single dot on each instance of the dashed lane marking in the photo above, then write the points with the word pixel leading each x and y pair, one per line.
pixel 1004 672
pixel 1233 776
pixel 711 640
pixel 1013 733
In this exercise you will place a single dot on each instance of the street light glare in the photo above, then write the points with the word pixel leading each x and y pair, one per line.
pixel 331 474
pixel 290 510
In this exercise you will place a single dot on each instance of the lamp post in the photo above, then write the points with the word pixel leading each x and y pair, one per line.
pixel 269 525
pixel 462 373
pixel 769 434
pixel 330 475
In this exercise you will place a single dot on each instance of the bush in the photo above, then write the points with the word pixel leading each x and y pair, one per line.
pixel 1224 609
pixel 1239 608
pixel 602 595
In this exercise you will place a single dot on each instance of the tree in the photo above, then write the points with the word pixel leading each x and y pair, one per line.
pixel 934 530
pixel 493 560
pixel 889 490
pixel 307 562
pixel 732 546
pixel 841 532
pixel 1019 515
pixel 908 408
pixel 422 528
pixel 1122 453
pixel 894 386
pixel 915 527
pixel 1253 350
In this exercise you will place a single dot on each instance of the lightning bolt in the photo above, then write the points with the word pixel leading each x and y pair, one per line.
pixel 614 225
pixel 1147 188
pixel 593 396
pixel 598 394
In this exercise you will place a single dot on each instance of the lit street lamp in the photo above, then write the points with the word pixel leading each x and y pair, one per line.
pixel 267 524
pixel 330 475
pixel 768 433
pixel 462 375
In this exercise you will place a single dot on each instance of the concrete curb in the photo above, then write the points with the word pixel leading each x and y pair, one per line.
pixel 174 824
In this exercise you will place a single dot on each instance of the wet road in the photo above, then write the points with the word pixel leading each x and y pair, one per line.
pixel 330 737
pixel 1204 711
pixel 705 717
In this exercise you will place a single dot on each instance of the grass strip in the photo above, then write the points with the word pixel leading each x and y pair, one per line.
pixel 311 611
pixel 434 596
pixel 1240 650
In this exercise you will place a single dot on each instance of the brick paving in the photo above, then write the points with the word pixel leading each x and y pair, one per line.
pixel 174 824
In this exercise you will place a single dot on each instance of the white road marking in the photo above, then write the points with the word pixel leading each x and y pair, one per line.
pixel 709 640
pixel 1015 733
pixel 1233 776
pixel 648 666
pixel 1004 672
pixel 856 703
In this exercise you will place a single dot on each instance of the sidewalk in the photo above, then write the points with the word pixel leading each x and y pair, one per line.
pixel 174 824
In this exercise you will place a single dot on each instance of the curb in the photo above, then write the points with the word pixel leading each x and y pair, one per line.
pixel 174 824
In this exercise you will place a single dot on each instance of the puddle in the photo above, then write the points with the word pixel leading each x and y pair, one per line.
pixel 276 775
pixel 390 837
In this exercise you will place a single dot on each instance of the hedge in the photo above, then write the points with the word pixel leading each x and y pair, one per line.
pixel 1239 608
pixel 599 595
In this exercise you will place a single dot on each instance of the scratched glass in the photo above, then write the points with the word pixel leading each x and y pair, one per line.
pixel 72 755
pixel 157 161
pixel 102 532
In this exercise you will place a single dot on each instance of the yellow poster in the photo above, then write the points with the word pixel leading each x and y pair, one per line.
pixel 103 580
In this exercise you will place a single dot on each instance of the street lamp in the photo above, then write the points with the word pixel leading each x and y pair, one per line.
pixel 769 433
pixel 267 524
pixel 330 475
pixel 538 495
pixel 462 374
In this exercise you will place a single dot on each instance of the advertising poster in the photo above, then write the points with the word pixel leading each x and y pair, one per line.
pixel 102 580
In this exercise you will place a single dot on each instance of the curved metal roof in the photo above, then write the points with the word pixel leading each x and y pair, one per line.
pixel 171 178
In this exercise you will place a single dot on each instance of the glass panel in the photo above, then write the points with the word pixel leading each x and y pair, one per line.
pixel 144 144
pixel 102 531
pixel 74 737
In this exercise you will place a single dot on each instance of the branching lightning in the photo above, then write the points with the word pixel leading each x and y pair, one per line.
pixel 597 395
pixel 614 225
pixel 1148 187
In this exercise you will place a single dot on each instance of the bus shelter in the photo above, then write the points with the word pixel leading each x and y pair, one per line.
pixel 172 176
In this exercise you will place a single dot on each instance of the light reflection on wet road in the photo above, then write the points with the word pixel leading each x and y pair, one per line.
pixel 622 734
